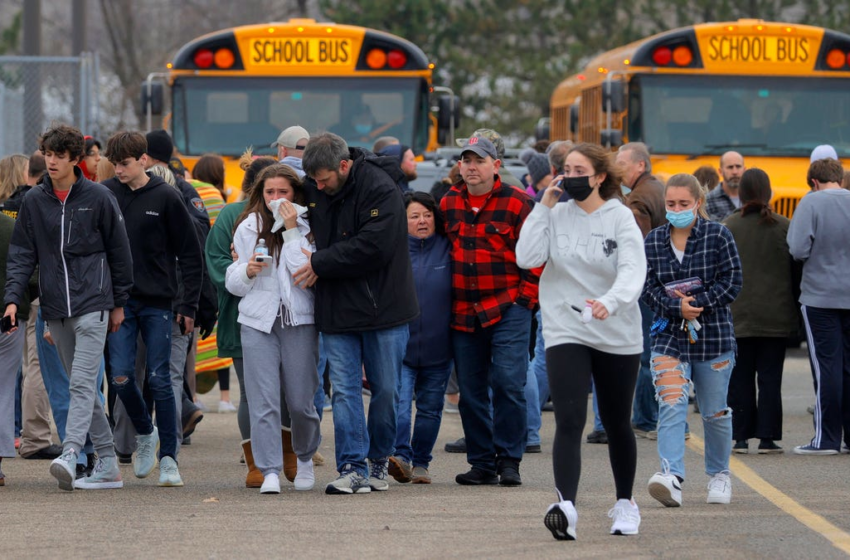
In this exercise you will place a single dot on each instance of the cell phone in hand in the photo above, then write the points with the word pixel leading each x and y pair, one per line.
pixel 182 323
pixel 6 324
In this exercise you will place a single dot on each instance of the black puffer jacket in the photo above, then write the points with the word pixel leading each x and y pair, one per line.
pixel 365 279
pixel 81 248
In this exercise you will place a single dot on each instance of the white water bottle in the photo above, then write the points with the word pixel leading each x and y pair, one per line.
pixel 587 313
pixel 262 249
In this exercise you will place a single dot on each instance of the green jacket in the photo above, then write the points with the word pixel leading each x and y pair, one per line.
pixel 766 305
pixel 7 225
pixel 217 251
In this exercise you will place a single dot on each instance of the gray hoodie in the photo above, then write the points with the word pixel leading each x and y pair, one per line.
pixel 295 163
pixel 818 237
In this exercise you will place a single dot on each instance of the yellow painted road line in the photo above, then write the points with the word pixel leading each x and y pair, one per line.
pixel 817 523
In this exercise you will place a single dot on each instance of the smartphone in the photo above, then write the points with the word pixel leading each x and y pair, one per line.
pixel 269 260
pixel 6 324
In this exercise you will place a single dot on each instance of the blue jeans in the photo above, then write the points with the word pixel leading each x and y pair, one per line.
pixel 155 327
pixel 495 358
pixel 58 385
pixel 645 407
pixel 672 386
pixel 380 353
pixel 429 386
pixel 536 386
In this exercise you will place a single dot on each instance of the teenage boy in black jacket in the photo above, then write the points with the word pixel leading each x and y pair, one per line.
pixel 365 297
pixel 73 230
pixel 160 232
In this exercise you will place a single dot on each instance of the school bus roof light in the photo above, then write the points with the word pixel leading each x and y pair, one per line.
pixel 759 28
pixel 203 58
pixel 835 59
pixel 662 56
pixel 431 65
pixel 730 28
pixel 329 29
pixel 169 65
pixel 682 56
pixel 271 29
pixel 224 58
pixel 396 59
pixel 627 62
pixel 376 59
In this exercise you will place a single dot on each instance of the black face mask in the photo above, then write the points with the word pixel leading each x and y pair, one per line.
pixel 578 187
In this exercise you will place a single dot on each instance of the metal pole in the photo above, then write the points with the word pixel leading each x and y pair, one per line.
pixel 33 111
pixel 78 27
pixel 95 83
pixel 83 93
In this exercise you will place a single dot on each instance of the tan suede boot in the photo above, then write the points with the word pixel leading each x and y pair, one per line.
pixel 290 460
pixel 255 477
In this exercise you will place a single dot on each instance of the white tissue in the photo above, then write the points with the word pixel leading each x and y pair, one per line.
pixel 274 206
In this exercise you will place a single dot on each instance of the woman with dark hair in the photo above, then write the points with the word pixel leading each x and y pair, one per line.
pixel 601 269
pixel 277 322
pixel 693 274
pixel 91 158
pixel 760 329
pixel 228 339
pixel 210 169
pixel 428 359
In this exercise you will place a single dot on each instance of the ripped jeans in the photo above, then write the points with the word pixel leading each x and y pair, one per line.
pixel 672 386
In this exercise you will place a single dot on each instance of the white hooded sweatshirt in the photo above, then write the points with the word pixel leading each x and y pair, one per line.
pixel 587 256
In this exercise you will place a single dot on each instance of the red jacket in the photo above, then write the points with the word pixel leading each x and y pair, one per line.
pixel 486 280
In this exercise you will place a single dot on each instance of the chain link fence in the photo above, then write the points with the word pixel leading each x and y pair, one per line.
pixel 38 90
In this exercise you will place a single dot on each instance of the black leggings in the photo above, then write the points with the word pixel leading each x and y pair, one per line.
pixel 569 367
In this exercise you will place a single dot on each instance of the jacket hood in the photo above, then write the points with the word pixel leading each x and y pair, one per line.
pixel 388 163
pixel 46 183
pixel 295 163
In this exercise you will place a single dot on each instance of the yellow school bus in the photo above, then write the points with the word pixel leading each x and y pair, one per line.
pixel 242 86
pixel 770 91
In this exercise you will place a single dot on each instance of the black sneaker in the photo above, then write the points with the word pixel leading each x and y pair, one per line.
pixel 597 437
pixel 769 447
pixel 50 452
pixel 191 416
pixel 741 446
pixel 476 477
pixel 509 473
pixel 534 448
pixel 458 446
pixel 187 440
pixel 81 472
pixel 124 458
pixel 547 407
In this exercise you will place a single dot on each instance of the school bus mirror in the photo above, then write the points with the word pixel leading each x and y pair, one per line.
pixel 542 129
pixel 615 94
pixel 449 112
pixel 154 98
pixel 611 138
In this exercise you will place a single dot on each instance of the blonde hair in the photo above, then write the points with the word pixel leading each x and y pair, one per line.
pixel 163 173
pixel 692 184
pixel 105 170
pixel 14 170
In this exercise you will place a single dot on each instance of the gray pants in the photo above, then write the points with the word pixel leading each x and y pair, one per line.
pixel 124 431
pixel 11 356
pixel 79 342
pixel 285 357
pixel 243 416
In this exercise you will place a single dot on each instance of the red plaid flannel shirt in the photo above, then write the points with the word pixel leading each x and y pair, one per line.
pixel 486 280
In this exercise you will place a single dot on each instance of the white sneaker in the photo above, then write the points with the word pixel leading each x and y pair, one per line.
pixel 271 484
pixel 719 489
pixel 665 488
pixel 146 450
pixel 626 516
pixel 64 469
pixel 561 520
pixel 226 406
pixel 169 474
pixel 305 479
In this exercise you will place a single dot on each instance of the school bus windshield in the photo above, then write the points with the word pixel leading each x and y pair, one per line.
pixel 756 116
pixel 226 115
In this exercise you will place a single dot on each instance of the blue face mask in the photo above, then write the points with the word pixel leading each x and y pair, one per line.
pixel 681 219
pixel 363 128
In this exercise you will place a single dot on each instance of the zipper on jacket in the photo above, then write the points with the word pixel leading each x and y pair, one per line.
pixel 70 226
pixel 371 297
pixel 62 252
pixel 101 275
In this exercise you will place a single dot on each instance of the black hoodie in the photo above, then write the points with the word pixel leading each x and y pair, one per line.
pixel 362 261
pixel 160 231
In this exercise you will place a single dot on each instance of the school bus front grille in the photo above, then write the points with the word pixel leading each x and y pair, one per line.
pixel 786 206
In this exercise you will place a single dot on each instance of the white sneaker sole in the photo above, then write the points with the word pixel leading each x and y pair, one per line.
pixel 722 500
pixel 79 484
pixel 304 486
pixel 663 494
pixel 621 532
pixel 63 476
pixel 170 484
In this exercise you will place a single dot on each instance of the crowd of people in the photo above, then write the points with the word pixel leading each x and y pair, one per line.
pixel 586 275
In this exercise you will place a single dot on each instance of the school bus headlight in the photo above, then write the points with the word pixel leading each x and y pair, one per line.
pixel 682 56
pixel 203 58
pixel 835 59
pixel 224 58
pixel 396 59
pixel 376 59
